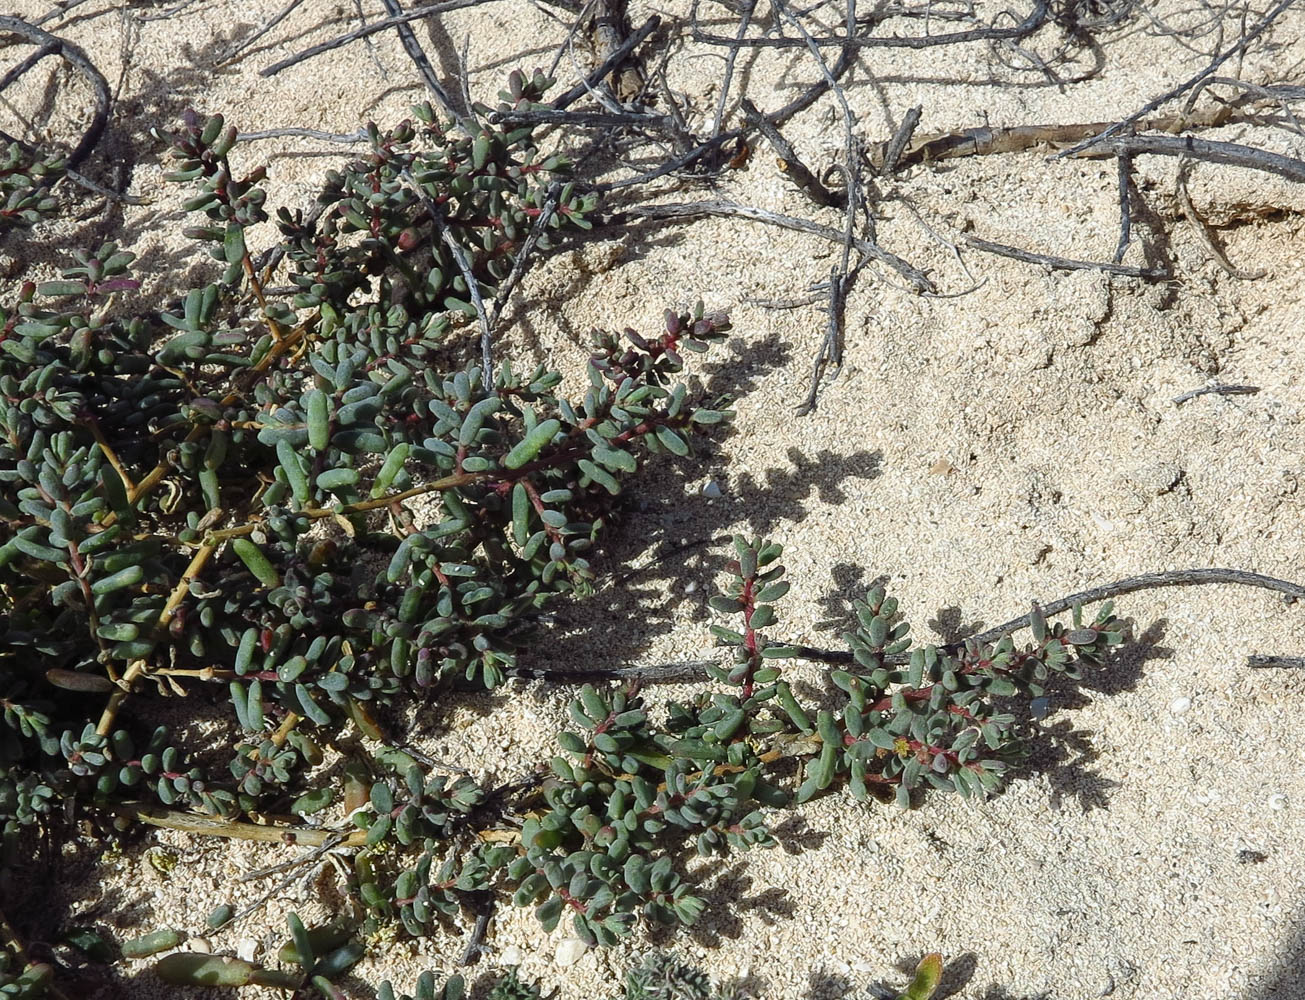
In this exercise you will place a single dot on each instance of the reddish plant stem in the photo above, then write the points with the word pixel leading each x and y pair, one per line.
pixel 749 636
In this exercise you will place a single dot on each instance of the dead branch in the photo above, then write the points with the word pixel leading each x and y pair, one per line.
pixel 1218 389
pixel 692 156
pixel 75 57
pixel 1037 17
pixel 985 141
pixel 304 133
pixel 1202 229
pixel 522 263
pixel 1158 102
pixel 1066 263
pixel 787 159
pixel 416 14
pixel 1230 153
pixel 610 31
pixel 830 352
pixel 614 59
pixel 748 7
pixel 1264 662
pixel 414 50
pixel 468 277
pixel 581 119
pixel 696 670
pixel 897 144
pixel 1125 178
pixel 1145 581
pixel 918 280
pixel 233 53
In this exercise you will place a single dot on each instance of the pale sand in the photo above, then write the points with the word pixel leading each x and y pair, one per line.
pixel 1114 864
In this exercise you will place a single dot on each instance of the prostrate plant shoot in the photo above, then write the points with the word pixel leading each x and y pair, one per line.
pixel 314 502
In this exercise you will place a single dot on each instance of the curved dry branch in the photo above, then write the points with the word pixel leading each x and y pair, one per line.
pixel 78 60
pixel 1038 16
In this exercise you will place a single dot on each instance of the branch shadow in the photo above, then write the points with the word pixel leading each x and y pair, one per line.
pixel 666 530
pixel 1066 754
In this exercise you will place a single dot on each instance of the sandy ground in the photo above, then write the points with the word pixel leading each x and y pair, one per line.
pixel 1016 440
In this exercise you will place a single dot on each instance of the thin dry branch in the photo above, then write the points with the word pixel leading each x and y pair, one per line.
pixel 75 57
pixel 1234 50
pixel 985 141
pixel 416 14
pixel 1066 263
pixel 1202 229
pixel 413 47
pixel 1125 179
pixel 582 119
pixel 1219 389
pixel 520 265
pixel 234 53
pixel 744 20
pixel 892 153
pixel 468 277
pixel 790 165
pixel 614 59
pixel 1232 154
pixel 1038 16
pixel 726 209
pixel 609 33
pixel 830 353
pixel 702 149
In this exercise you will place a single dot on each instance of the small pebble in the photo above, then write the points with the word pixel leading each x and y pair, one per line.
pixel 711 490
pixel 1179 706
pixel 200 944
pixel 246 949
pixel 1277 802
pixel 569 951
pixel 511 955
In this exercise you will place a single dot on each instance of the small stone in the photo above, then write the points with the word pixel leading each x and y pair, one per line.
pixel 569 951
pixel 199 944
pixel 1179 706
pixel 1156 478
pixel 711 490
pixel 246 949
pixel 511 955
pixel 1277 802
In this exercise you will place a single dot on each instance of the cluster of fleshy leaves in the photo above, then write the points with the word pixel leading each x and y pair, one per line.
pixel 626 796
pixel 27 179
pixel 935 716
pixel 228 496
pixel 30 982
pixel 225 495
pixel 309 963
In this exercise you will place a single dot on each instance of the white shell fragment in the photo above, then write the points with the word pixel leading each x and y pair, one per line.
pixel 569 951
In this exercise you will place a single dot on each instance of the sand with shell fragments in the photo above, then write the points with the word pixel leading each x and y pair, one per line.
pixel 1017 441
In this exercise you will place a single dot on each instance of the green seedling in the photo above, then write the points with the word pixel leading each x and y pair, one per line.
pixel 928 974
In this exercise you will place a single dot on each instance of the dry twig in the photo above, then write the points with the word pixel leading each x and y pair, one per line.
pixel 1066 263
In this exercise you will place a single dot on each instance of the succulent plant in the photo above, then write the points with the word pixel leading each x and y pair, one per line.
pixel 318 501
